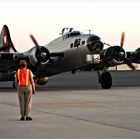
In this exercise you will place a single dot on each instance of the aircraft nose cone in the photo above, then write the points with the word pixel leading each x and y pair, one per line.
pixel 94 44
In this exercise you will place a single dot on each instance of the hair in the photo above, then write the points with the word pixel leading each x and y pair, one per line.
pixel 23 64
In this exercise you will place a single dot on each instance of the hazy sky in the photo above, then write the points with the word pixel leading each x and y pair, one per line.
pixel 46 18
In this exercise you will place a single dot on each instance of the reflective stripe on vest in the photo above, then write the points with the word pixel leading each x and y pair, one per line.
pixel 23 76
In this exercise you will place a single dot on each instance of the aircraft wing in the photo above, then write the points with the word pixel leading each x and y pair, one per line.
pixel 116 55
pixel 10 58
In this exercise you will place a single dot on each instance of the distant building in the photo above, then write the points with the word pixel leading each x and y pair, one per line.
pixel 124 67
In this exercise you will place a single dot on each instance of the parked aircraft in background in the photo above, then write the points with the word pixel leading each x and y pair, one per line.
pixel 71 51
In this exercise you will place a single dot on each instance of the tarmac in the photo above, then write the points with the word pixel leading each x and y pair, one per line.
pixel 75 106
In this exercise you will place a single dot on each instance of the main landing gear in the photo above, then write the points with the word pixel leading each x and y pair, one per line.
pixel 105 79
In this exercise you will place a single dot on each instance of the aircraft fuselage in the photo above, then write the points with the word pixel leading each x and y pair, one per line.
pixel 74 54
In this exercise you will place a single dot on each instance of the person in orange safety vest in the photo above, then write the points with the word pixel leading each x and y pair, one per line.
pixel 25 87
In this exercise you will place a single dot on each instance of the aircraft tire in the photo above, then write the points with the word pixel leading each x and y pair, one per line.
pixel 106 80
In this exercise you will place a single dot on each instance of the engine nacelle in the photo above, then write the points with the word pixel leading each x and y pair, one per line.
pixel 134 57
pixel 42 81
pixel 94 44
pixel 38 56
pixel 137 55
pixel 114 54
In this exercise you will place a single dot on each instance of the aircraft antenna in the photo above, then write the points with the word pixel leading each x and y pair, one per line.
pixel 89 31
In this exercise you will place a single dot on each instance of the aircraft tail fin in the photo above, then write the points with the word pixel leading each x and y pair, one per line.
pixel 6 44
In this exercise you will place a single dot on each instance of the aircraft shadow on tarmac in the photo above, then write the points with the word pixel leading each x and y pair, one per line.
pixel 82 80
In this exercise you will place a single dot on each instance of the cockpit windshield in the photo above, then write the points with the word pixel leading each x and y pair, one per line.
pixel 74 33
pixel 71 34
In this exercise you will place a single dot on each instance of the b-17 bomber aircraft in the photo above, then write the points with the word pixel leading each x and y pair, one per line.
pixel 71 51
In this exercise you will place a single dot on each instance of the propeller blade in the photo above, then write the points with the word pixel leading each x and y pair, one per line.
pixel 106 44
pixel 129 64
pixel 122 39
pixel 34 40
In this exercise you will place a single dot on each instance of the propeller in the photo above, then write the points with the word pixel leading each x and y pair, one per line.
pixel 126 61
pixel 35 42
pixel 43 53
pixel 129 64
pixel 122 39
